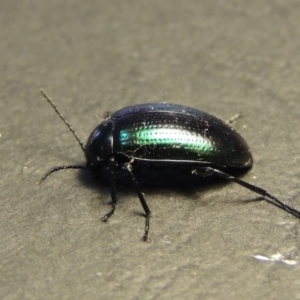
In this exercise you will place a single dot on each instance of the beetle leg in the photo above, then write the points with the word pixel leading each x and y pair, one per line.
pixel 112 165
pixel 128 168
pixel 234 118
pixel 269 198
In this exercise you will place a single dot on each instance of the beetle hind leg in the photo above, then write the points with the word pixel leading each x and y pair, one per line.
pixel 268 197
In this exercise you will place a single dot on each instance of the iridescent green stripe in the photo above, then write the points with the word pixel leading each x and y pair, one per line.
pixel 165 136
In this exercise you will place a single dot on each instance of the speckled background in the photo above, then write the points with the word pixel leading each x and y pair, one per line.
pixel 223 57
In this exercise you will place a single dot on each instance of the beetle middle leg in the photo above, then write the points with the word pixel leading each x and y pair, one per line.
pixel 128 168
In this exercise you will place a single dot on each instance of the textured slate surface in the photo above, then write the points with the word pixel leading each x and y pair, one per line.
pixel 222 57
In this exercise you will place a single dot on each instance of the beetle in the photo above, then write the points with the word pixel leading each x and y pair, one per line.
pixel 165 135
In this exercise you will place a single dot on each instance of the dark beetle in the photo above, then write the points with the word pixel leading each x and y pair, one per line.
pixel 165 135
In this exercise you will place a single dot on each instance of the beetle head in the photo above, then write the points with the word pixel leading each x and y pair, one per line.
pixel 99 146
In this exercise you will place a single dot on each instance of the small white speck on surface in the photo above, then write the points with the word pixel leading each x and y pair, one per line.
pixel 166 242
pixel 276 258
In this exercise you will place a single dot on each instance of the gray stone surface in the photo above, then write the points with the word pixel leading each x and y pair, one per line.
pixel 91 57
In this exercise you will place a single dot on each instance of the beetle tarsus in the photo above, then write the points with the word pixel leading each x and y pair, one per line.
pixel 108 215
pixel 145 238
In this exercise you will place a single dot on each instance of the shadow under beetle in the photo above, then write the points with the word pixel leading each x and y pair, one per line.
pixel 165 135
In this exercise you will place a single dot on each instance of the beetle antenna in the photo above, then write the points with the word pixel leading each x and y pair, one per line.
pixel 64 120
pixel 58 168
pixel 269 198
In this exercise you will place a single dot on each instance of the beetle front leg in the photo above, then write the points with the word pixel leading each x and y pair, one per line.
pixel 147 210
pixel 112 165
